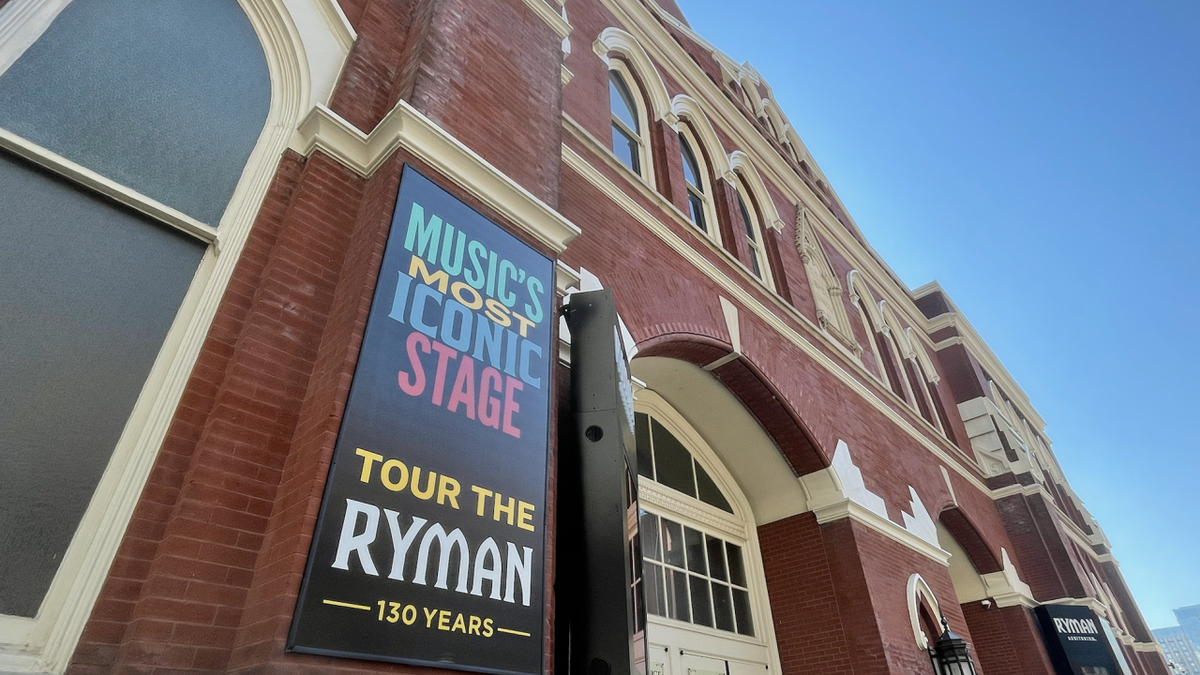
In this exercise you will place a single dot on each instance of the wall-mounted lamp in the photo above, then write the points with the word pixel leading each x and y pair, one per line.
pixel 951 654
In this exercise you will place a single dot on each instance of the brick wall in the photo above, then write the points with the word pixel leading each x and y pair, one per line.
pixel 1006 640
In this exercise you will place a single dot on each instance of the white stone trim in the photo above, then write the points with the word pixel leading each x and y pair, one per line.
pixel 740 165
pixel 86 177
pixel 1006 587
pixel 916 589
pixel 686 109
pixel 551 16
pixel 22 22
pixel 838 492
pixel 617 40
pixel 919 522
pixel 406 128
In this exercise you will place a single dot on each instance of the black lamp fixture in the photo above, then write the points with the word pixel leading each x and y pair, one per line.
pixel 951 654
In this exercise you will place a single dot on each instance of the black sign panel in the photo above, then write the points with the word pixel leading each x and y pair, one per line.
pixel 1076 641
pixel 600 564
pixel 429 546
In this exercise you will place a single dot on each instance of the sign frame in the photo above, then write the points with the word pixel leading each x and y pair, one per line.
pixel 499 313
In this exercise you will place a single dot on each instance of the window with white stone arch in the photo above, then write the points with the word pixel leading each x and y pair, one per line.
pixel 702 580
pixel 630 121
pixel 760 265
pixel 701 210
pixel 63 75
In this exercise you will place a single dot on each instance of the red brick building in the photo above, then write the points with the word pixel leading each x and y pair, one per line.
pixel 196 204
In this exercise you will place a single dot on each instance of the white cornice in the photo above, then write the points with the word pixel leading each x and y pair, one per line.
pixel 406 128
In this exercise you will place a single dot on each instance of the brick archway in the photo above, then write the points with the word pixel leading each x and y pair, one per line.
pixel 973 544
pixel 751 386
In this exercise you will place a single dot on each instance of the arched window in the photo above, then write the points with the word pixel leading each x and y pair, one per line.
pixel 861 296
pixel 698 570
pixel 627 125
pixel 759 264
pixel 694 173
pixel 889 345
pixel 125 129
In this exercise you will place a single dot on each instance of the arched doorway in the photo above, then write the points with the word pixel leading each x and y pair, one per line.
pixel 709 474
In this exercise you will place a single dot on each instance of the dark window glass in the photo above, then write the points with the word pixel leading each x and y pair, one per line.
pixel 716 558
pixel 696 211
pixel 700 594
pixel 626 148
pixel 645 459
pixel 722 606
pixel 622 101
pixel 656 602
pixel 737 573
pixel 672 461
pixel 749 224
pixel 672 537
pixel 691 170
pixel 701 603
pixel 167 97
pixel 88 291
pixel 709 492
pixel 649 532
pixel 741 610
pixel 626 133
pixel 677 588
pixel 751 236
pixel 695 551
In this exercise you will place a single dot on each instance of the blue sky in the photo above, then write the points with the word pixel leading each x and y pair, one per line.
pixel 1039 160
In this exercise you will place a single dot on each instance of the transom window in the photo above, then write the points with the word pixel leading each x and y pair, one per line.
pixel 626 132
pixel 695 185
pixel 695 577
pixel 663 459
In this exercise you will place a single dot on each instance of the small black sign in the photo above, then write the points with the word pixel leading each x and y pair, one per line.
pixel 429 547
pixel 1076 640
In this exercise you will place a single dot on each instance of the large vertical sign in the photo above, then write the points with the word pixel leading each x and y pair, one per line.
pixel 429 546
pixel 600 570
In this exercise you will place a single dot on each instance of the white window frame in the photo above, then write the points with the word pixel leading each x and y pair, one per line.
pixel 711 228
pixel 673 642
pixel 646 155
pixel 758 246
pixel 305 44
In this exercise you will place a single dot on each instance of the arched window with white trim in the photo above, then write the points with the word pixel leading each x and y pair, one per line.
pixel 759 263
pixel 628 121
pixel 130 134
pixel 699 187
pixel 704 588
